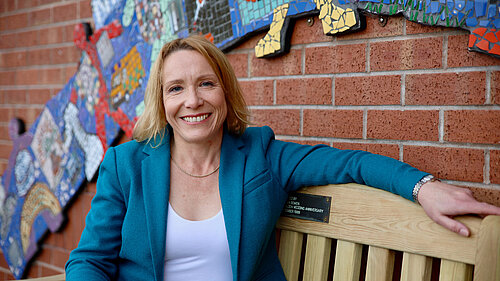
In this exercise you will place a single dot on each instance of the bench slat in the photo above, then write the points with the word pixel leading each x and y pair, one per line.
pixel 455 271
pixel 380 264
pixel 347 261
pixel 289 253
pixel 317 258
pixel 416 267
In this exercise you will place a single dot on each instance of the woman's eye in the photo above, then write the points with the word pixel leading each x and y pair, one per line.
pixel 174 89
pixel 207 84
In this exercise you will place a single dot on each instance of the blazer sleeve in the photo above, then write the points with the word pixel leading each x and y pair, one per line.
pixel 303 165
pixel 100 243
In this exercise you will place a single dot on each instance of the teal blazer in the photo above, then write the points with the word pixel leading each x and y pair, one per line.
pixel 124 236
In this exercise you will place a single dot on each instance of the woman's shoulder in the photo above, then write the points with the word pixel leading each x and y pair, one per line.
pixel 255 133
pixel 129 149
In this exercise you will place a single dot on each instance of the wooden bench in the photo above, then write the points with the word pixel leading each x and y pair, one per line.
pixel 373 235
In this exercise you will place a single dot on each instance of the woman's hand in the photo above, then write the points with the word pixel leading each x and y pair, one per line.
pixel 441 202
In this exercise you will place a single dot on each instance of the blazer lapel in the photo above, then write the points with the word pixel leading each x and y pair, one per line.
pixel 231 193
pixel 155 188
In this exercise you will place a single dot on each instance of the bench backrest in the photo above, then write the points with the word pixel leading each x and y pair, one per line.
pixel 374 235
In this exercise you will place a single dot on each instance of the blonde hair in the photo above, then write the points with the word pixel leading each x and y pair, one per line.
pixel 151 123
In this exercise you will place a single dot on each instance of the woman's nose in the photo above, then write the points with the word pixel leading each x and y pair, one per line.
pixel 193 99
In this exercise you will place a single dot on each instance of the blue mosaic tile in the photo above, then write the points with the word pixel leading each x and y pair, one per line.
pixel 480 7
pixel 434 7
pixel 496 23
pixel 459 5
pixel 492 11
pixel 484 23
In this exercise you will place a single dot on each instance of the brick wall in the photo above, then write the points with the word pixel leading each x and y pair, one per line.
pixel 404 90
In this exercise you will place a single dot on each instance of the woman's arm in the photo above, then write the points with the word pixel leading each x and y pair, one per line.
pixel 99 246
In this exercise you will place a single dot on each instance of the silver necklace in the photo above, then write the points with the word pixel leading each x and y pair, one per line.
pixel 191 175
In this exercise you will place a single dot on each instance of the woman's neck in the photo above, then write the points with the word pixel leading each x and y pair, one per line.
pixel 196 158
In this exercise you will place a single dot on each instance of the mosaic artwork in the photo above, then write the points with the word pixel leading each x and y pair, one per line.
pixel 65 145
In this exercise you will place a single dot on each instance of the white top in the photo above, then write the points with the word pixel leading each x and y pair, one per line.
pixel 196 250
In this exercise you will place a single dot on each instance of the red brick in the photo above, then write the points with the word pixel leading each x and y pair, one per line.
pixel 13 59
pixel 40 17
pixel 91 188
pixel 258 92
pixel 447 163
pixel 336 59
pixel 389 150
pixel 28 115
pixel 495 87
pixel 7 77
pixel 282 121
pixel 3 262
pixel 403 125
pixel 5 150
pixel 288 64
pixel 417 28
pixel 394 27
pixel 53 35
pixel 406 54
pixel 44 2
pixel 250 42
pixel 56 239
pixel 47 271
pixel 59 257
pixel 75 225
pixel 368 90
pixel 476 126
pixel 303 33
pixel 9 5
pixel 4 134
pixel 6 113
pixel 3 165
pixel 333 123
pixel 39 96
pixel 14 97
pixel 8 41
pixel 65 55
pixel 495 166
pixel 27 39
pixel 68 32
pixel 304 91
pixel 86 198
pixel 65 12
pixel 307 142
pixel 44 255
pixel 491 196
pixel 39 57
pixel 464 88
pixel 13 22
pixel 239 62
pixel 26 4
pixel 52 76
pixel 33 270
pixel 68 72
pixel 26 77
pixel 85 9
pixel 459 56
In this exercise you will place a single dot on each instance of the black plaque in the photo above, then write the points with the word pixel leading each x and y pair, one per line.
pixel 308 207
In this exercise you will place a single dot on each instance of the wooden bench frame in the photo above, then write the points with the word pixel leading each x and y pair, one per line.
pixel 389 226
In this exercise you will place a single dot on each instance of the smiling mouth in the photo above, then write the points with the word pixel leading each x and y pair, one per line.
pixel 195 119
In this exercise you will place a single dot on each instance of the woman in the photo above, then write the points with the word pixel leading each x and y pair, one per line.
pixel 197 195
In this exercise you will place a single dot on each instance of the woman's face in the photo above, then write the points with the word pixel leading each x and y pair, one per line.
pixel 194 101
